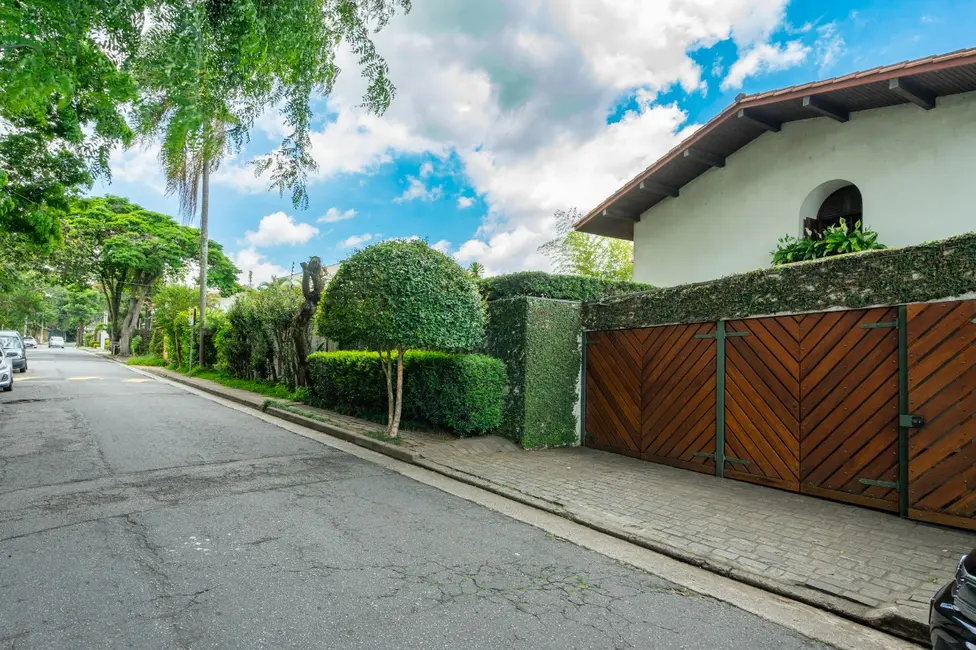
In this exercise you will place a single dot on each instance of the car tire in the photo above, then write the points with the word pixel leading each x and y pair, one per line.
pixel 24 369
pixel 9 388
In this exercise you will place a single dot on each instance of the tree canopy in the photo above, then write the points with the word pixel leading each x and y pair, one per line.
pixel 126 250
pixel 399 295
pixel 592 256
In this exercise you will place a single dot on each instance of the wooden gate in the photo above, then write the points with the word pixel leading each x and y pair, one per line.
pixel 762 401
pixel 942 390
pixel 849 406
pixel 613 391
pixel 678 388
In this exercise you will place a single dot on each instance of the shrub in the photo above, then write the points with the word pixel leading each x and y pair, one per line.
pixel 835 240
pixel 157 343
pixel 460 392
pixel 400 295
pixel 536 284
pixel 135 344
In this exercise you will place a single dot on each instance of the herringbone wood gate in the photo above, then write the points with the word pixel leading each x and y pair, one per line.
pixel 811 402
pixel 942 390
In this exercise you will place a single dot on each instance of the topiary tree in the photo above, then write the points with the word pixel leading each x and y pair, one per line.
pixel 399 295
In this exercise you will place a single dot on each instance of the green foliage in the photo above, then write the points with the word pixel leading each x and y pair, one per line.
pixel 399 295
pixel 146 360
pixel 537 284
pixel 926 272
pixel 460 392
pixel 126 249
pixel 255 341
pixel 539 342
pixel 591 256
pixel 261 386
pixel 136 345
pixel 835 240
pixel 157 344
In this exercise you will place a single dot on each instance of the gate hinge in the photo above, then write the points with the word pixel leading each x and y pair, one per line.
pixel 870 326
pixel 703 454
pixel 740 461
pixel 885 484
pixel 911 421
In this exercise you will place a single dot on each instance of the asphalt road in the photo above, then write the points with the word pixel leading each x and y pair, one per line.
pixel 136 515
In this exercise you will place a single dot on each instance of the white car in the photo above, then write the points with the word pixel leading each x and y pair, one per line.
pixel 55 342
pixel 6 375
pixel 30 342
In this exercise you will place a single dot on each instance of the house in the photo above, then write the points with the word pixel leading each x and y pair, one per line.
pixel 892 146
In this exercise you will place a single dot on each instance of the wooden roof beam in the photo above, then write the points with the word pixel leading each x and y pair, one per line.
pixel 825 108
pixel 702 156
pixel 612 213
pixel 659 188
pixel 747 115
pixel 916 95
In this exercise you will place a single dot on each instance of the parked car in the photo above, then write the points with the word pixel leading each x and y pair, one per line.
pixel 55 342
pixel 6 375
pixel 30 342
pixel 952 615
pixel 14 350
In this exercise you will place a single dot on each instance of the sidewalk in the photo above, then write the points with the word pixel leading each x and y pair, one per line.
pixel 870 566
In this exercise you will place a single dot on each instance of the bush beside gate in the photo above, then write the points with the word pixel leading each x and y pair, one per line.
pixel 459 392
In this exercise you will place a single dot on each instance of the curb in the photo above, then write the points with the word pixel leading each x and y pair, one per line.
pixel 887 619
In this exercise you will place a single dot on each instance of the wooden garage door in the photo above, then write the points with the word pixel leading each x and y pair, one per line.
pixel 678 384
pixel 762 401
pixel 849 406
pixel 942 390
pixel 613 382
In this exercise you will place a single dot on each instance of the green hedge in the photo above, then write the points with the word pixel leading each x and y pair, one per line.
pixel 539 341
pixel 536 284
pixel 460 392
pixel 931 271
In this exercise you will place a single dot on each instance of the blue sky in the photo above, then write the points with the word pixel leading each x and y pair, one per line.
pixel 509 110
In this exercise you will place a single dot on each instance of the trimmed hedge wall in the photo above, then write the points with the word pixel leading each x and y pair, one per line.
pixel 931 271
pixel 539 341
pixel 460 392
pixel 557 287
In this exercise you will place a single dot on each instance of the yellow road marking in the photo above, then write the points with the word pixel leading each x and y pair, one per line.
pixel 80 378
pixel 135 381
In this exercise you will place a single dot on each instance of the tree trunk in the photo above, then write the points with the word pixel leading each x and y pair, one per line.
pixel 131 320
pixel 80 336
pixel 312 284
pixel 387 365
pixel 395 421
pixel 204 244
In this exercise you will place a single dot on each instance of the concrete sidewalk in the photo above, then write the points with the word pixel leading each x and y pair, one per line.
pixel 870 566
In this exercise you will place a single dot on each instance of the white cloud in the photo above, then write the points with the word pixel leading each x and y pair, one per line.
pixel 240 175
pixel 830 46
pixel 464 202
pixel 280 228
pixel 250 260
pixel 765 58
pixel 443 246
pixel 332 215
pixel 426 169
pixel 418 190
pixel 138 165
pixel 356 240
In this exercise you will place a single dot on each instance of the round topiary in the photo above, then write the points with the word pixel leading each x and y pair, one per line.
pixel 399 295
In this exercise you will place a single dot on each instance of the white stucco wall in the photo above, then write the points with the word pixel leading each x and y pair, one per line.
pixel 916 171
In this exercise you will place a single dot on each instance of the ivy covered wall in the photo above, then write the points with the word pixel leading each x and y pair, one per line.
pixel 539 341
pixel 937 270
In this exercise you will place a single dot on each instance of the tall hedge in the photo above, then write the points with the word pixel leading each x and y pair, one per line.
pixel 539 341
pixel 930 271
pixel 459 392
pixel 537 284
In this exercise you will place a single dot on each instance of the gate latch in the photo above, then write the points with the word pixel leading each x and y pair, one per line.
pixel 911 421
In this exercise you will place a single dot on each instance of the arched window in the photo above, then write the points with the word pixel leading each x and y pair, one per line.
pixel 844 203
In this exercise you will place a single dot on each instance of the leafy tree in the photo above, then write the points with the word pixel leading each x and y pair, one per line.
pixel 476 270
pixel 62 90
pixel 399 295
pixel 592 256
pixel 127 250
pixel 206 70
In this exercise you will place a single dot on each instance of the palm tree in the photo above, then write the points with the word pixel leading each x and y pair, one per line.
pixel 476 270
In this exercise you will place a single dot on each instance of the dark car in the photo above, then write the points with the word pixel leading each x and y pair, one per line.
pixel 952 616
